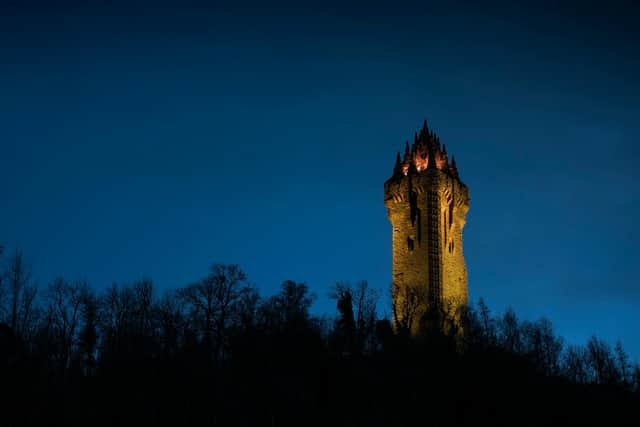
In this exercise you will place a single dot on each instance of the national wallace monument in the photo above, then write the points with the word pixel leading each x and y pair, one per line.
pixel 427 204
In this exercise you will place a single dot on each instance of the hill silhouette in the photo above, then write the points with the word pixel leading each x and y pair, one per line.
pixel 215 352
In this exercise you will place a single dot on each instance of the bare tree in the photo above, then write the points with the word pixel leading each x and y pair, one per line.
pixel 287 313
pixel 65 301
pixel 510 336
pixel 289 309
pixel 200 298
pixel 115 316
pixel 229 281
pixel 19 279
pixel 246 313
pixel 575 364
pixel 88 335
pixel 473 332
pixel 542 347
pixel 365 302
pixel 622 364
pixel 294 301
pixel 357 321
pixel 551 346
pixel 345 327
pixel 487 322
pixel 357 308
pixel 169 314
pixel 142 307
pixel 212 301
pixel 28 313
pixel 601 361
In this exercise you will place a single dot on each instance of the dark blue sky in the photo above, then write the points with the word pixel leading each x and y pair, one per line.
pixel 140 140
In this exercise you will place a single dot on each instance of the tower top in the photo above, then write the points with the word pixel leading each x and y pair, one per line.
pixel 426 153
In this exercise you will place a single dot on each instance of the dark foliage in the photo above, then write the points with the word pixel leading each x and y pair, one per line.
pixel 217 353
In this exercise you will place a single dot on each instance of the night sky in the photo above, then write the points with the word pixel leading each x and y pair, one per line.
pixel 152 141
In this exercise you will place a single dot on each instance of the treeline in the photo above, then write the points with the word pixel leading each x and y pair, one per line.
pixel 68 326
pixel 218 342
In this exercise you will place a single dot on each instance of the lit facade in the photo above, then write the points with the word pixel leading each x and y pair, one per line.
pixel 427 204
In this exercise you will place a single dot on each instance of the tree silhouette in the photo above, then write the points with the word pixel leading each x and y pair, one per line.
pixel 212 302
pixel 218 353
pixel 510 335
pixel 64 305
pixel 601 362
pixel 345 328
pixel 21 294
pixel 88 336
pixel 408 307
pixel 575 364
pixel 288 311
pixel 172 322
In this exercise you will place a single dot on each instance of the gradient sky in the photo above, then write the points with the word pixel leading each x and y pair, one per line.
pixel 152 141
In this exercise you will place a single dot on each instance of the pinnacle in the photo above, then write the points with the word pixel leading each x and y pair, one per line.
pixel 397 169
pixel 453 167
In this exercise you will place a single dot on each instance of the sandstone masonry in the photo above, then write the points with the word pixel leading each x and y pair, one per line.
pixel 427 205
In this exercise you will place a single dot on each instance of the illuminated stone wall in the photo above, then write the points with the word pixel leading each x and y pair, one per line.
pixel 427 206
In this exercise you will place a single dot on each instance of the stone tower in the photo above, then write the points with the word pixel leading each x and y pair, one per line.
pixel 427 206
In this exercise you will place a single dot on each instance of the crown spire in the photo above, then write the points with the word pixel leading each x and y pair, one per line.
pixel 397 169
pixel 425 153
pixel 424 132
pixel 453 167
